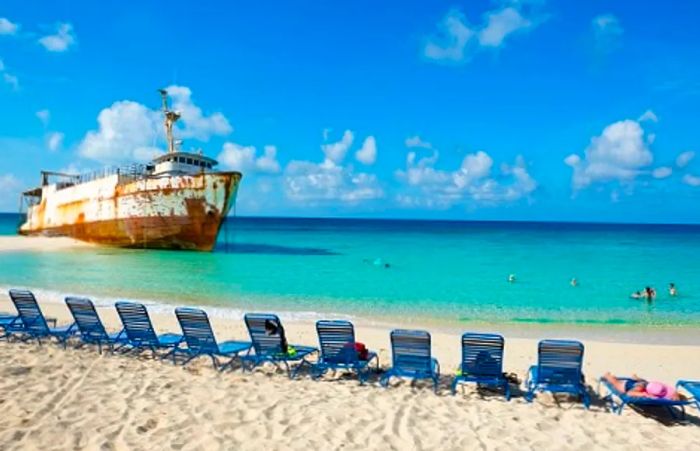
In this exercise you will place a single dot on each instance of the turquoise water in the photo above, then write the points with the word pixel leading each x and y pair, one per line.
pixel 446 271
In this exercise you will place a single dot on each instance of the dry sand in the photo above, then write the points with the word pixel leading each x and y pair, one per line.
pixel 76 399
pixel 15 243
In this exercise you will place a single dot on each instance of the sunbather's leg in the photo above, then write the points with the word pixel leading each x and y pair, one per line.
pixel 615 382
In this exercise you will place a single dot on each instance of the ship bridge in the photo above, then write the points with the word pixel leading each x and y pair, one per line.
pixel 182 163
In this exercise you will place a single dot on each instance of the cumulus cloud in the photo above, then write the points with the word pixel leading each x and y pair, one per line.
pixel 194 123
pixel 245 159
pixel 416 141
pixel 691 180
pixel 330 180
pixel 7 27
pixel 618 154
pixel 367 154
pixel 54 140
pixel 127 131
pixel 130 131
pixel 456 40
pixel 685 158
pixel 607 32
pixel 62 40
pixel 473 182
pixel 335 152
pixel 662 172
pixel 44 116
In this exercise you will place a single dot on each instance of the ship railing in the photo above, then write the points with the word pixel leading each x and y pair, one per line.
pixel 128 172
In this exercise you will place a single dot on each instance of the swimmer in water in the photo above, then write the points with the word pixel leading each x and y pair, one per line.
pixel 636 295
pixel 672 290
pixel 649 293
pixel 574 282
pixel 511 278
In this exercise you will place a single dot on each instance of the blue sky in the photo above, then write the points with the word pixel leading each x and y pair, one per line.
pixel 515 110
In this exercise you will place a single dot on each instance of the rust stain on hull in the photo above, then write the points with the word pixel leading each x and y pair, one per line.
pixel 174 212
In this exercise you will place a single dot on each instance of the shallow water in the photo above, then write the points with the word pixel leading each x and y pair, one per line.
pixel 454 272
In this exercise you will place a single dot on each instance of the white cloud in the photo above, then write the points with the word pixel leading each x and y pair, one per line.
pixel 662 172
pixel 456 40
pixel 685 158
pixel 451 40
pixel 607 32
pixel 648 116
pixel 7 77
pixel 61 41
pixel 473 182
pixel 11 80
pixel 194 123
pixel 367 154
pixel 7 27
pixel 618 154
pixel 500 24
pixel 54 140
pixel 244 159
pixel 44 116
pixel 130 131
pixel 127 131
pixel 416 141
pixel 335 152
pixel 312 183
pixel 691 180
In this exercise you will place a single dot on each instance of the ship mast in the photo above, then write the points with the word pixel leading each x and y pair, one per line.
pixel 170 118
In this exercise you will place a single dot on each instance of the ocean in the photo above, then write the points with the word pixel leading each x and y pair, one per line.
pixel 450 272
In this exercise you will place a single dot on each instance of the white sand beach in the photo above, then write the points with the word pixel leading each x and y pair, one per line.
pixel 76 399
pixel 17 243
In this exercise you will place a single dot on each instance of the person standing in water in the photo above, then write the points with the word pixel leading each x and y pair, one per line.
pixel 672 290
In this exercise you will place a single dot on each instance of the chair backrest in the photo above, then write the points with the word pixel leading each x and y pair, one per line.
pixel 197 330
pixel 559 362
pixel 265 342
pixel 482 354
pixel 410 350
pixel 85 316
pixel 337 341
pixel 137 323
pixel 29 312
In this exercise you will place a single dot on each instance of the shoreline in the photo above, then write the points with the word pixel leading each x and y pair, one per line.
pixel 680 335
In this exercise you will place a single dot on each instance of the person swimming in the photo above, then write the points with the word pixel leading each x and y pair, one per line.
pixel 511 278
pixel 649 293
pixel 637 295
pixel 574 282
pixel 672 290
pixel 640 388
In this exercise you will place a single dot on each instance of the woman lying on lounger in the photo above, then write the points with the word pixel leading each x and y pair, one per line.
pixel 640 388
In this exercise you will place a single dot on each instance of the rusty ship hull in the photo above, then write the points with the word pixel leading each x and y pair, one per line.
pixel 165 212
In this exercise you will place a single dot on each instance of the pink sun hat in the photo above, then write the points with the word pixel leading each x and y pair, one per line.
pixel 660 390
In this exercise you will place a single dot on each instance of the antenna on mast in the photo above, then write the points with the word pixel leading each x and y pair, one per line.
pixel 170 118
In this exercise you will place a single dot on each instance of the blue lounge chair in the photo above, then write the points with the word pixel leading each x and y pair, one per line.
pixel 90 327
pixel 31 323
pixel 558 370
pixel 270 344
pixel 201 341
pixel 337 344
pixel 412 358
pixel 140 334
pixel 482 362
pixel 692 387
pixel 624 400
